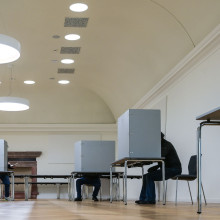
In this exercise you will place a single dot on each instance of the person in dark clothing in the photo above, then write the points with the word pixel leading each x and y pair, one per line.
pixel 5 180
pixel 172 168
pixel 90 180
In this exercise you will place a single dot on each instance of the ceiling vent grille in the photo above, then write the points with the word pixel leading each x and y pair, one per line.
pixel 75 22
pixel 70 50
pixel 69 71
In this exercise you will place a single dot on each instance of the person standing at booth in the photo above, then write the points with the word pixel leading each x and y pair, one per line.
pixel 172 168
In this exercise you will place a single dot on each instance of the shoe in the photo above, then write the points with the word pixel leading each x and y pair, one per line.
pixel 95 199
pixel 8 199
pixel 137 201
pixel 77 199
pixel 146 202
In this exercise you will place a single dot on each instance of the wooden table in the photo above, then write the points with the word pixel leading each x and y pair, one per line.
pixel 210 118
pixel 27 183
pixel 128 162
pixel 102 175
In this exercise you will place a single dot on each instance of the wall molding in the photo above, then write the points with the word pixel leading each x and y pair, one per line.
pixel 109 128
pixel 209 45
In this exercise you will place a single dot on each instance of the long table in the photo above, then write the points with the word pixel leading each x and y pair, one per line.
pixel 102 175
pixel 27 183
pixel 128 162
pixel 209 119
pixel 10 174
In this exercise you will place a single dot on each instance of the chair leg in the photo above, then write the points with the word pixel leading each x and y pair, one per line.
pixel 176 190
pixel 100 193
pixel 158 191
pixel 166 192
pixel 190 192
pixel 85 191
pixel 1 190
pixel 204 195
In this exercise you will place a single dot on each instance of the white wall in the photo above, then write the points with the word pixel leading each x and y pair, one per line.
pixel 195 92
pixel 194 95
pixel 57 146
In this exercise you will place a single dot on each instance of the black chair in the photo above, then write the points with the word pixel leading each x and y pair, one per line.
pixel 192 168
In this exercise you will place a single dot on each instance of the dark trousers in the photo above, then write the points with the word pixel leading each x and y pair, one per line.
pixel 90 181
pixel 148 187
pixel 6 182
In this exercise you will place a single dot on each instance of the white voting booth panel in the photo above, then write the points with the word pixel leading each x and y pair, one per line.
pixel 139 134
pixel 3 155
pixel 94 156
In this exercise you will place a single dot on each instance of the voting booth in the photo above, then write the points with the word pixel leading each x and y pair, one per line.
pixel 93 156
pixel 3 155
pixel 139 134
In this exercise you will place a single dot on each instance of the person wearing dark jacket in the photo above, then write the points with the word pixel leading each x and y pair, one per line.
pixel 172 168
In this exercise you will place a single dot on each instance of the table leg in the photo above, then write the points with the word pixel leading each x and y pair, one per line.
pixel 163 175
pixel 123 185
pixel 125 179
pixel 1 190
pixel 58 191
pixel 199 178
pixel 118 188
pixel 70 188
pixel 73 187
pixel 111 184
pixel 12 186
pixel 26 188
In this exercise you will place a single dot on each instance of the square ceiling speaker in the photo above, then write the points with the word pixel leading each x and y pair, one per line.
pixel 76 22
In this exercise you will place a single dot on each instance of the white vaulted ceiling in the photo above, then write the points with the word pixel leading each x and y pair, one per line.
pixel 127 47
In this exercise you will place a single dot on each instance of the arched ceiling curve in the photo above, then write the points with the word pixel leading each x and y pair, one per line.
pixel 127 47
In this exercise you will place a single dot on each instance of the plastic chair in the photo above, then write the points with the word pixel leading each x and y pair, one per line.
pixel 192 168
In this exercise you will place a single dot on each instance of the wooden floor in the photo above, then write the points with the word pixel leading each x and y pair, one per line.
pixel 89 210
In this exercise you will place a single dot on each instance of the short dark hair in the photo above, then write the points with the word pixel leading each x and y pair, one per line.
pixel 162 135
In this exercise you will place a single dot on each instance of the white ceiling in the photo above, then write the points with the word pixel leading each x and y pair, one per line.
pixel 127 47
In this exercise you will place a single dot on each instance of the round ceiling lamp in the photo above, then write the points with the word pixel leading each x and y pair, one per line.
pixel 67 61
pixel 72 37
pixel 9 49
pixel 29 82
pixel 13 104
pixel 78 7
pixel 64 82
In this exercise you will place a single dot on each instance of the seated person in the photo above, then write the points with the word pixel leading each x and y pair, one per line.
pixel 172 168
pixel 90 180
pixel 6 182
